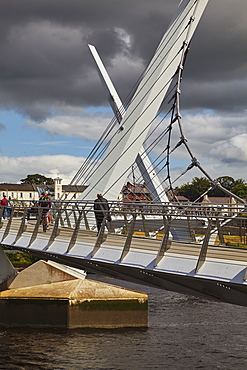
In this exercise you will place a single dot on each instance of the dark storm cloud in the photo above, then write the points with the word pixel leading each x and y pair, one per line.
pixel 45 61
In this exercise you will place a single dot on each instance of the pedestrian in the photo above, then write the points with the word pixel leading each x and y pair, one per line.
pixel 10 207
pixel 101 209
pixel 45 204
pixel 4 203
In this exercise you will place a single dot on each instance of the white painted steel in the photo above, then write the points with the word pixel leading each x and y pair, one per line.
pixel 143 162
pixel 6 268
pixel 126 144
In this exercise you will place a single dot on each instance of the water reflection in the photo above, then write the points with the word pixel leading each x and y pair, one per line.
pixel 184 333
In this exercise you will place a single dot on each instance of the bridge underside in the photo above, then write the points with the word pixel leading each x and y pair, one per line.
pixel 198 286
pixel 219 278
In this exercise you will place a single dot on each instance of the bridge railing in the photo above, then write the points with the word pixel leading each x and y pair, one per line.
pixel 186 223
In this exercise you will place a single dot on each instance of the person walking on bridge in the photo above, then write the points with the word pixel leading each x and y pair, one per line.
pixel 45 204
pixel 4 203
pixel 101 209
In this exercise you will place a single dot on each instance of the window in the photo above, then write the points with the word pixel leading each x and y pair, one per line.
pixel 74 196
pixel 21 195
pixel 30 195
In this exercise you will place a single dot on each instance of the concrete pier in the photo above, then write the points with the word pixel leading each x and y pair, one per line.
pixel 7 271
pixel 73 303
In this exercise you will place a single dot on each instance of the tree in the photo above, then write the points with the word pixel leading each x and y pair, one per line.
pixel 197 187
pixel 240 189
pixel 37 179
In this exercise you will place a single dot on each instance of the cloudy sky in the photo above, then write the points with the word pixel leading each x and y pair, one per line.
pixel 52 104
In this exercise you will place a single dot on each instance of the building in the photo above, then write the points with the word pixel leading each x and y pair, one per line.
pixel 135 192
pixel 224 204
pixel 31 192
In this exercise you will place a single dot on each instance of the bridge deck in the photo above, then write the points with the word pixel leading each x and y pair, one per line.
pixel 137 242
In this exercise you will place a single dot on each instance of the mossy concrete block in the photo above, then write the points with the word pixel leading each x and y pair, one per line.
pixel 74 304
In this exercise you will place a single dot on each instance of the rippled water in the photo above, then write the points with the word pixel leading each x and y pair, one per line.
pixel 184 333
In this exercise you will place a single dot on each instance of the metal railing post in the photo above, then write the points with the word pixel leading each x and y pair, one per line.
pixel 23 225
pixel 36 227
pixel 75 232
pixel 127 244
pixel 85 218
pixel 67 218
pixel 165 242
pixel 204 248
pixel 7 228
pixel 55 230
pixel 191 232
pixel 100 238
pixel 144 225
pixel 220 233
pixel 1 217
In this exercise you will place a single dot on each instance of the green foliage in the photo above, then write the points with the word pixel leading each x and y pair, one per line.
pixel 21 259
pixel 199 185
pixel 240 189
pixel 193 190
pixel 37 179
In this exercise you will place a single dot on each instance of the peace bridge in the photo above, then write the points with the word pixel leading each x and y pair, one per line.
pixel 191 249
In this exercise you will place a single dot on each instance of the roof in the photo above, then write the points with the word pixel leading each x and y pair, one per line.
pixel 220 200
pixel 19 187
pixel 136 189
pixel 181 198
pixel 73 188
pixel 4 187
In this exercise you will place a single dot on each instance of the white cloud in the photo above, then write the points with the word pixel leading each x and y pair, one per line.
pixel 232 150
pixel 14 169
pixel 87 126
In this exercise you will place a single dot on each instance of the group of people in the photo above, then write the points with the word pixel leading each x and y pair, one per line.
pixel 7 205
pixel 101 208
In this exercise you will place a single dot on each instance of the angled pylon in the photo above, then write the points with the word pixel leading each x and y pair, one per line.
pixel 126 144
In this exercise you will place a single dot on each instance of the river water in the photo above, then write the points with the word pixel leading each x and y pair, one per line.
pixel 184 333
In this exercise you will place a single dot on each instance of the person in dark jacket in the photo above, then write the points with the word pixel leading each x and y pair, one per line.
pixel 101 208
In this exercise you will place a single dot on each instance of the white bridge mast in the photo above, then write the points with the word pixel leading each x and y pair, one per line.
pixel 144 164
pixel 126 144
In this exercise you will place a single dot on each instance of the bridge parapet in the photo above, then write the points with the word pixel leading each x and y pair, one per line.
pixel 188 223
